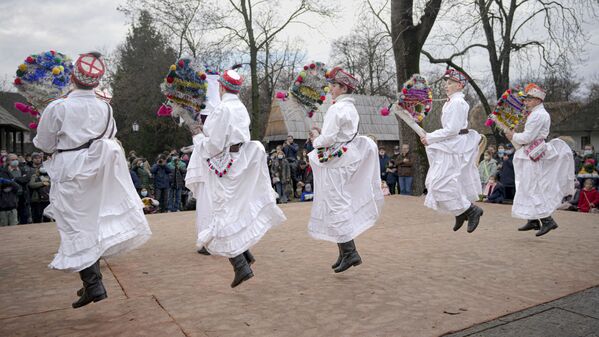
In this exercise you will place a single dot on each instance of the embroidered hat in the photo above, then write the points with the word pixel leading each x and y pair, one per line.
pixel 458 76
pixel 338 75
pixel 533 90
pixel 89 69
pixel 231 80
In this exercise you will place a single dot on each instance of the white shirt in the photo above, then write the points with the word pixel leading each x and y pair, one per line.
pixel 340 123
pixel 70 122
pixel 227 125
pixel 536 126
pixel 453 119
pixel 212 94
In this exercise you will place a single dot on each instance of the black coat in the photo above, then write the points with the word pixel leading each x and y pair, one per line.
pixel 506 175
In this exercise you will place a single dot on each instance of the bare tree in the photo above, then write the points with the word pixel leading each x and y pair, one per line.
pixel 408 37
pixel 256 24
pixel 367 52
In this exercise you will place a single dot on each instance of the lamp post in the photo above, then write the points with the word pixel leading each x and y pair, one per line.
pixel 135 126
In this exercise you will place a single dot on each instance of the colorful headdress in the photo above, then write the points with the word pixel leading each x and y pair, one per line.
pixel 533 90
pixel 42 78
pixel 310 87
pixel 510 111
pixel 458 76
pixel 231 80
pixel 89 69
pixel 185 86
pixel 338 75
pixel 416 97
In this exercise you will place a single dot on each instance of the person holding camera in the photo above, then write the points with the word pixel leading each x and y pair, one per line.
pixel 162 184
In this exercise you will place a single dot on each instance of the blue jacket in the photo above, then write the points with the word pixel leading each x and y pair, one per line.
pixel 161 176
pixel 135 179
pixel 498 194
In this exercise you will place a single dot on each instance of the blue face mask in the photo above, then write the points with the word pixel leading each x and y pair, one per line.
pixel 144 193
pixel 14 163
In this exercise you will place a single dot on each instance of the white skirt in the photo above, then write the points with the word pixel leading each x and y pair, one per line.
pixel 96 207
pixel 347 193
pixel 541 185
pixel 236 210
pixel 453 181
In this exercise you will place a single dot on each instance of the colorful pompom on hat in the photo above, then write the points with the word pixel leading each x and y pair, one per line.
pixel 455 75
pixel 89 69
pixel 338 75
pixel 533 90
pixel 231 80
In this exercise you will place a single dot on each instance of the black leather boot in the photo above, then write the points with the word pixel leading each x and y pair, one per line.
pixel 530 225
pixel 249 257
pixel 350 257
pixel 92 284
pixel 339 258
pixel 473 213
pixel 203 251
pixel 548 224
pixel 242 269
pixel 459 221
pixel 80 291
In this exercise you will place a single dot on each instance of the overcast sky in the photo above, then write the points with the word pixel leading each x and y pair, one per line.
pixel 75 26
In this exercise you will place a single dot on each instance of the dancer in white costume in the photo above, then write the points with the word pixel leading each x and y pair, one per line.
pixel 347 186
pixel 452 181
pixel 227 173
pixel 97 210
pixel 544 171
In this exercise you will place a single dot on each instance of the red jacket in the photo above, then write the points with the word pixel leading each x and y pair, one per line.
pixel 586 198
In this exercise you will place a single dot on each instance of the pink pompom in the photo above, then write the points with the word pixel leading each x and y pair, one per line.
pixel 164 111
pixel 281 95
pixel 489 122
pixel 24 108
pixel 33 125
pixel 385 111
pixel 311 113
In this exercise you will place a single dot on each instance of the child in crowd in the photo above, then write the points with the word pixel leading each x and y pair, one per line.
pixel 589 198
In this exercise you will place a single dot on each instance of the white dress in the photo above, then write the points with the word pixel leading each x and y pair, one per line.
pixel 236 209
pixel 92 198
pixel 452 181
pixel 541 185
pixel 347 190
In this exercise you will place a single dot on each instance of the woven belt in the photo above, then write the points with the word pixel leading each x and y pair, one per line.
pixel 235 148
pixel 463 132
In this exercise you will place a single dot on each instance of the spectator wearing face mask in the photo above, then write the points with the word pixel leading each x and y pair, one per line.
pixel 589 152
pixel 499 155
pixel 143 173
pixel 9 191
pixel 588 171
pixel 487 168
pixel 39 187
pixel 150 204
pixel 281 177
pixel 307 194
pixel 506 173
pixel 22 175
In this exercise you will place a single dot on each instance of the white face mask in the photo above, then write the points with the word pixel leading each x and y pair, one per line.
pixel 587 152
pixel 144 193
pixel 42 170
pixel 280 156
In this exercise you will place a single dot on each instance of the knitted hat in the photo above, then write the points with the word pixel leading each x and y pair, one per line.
pixel 231 80
pixel 452 74
pixel 338 75
pixel 89 69
pixel 533 90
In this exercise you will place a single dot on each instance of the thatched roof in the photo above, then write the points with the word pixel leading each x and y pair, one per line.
pixel 559 111
pixel 7 120
pixel 7 101
pixel 289 118
pixel 585 119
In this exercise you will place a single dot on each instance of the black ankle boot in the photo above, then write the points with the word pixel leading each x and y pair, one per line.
pixel 203 251
pixel 92 284
pixel 530 225
pixel 473 214
pixel 350 257
pixel 249 257
pixel 548 224
pixel 459 221
pixel 339 258
pixel 242 269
